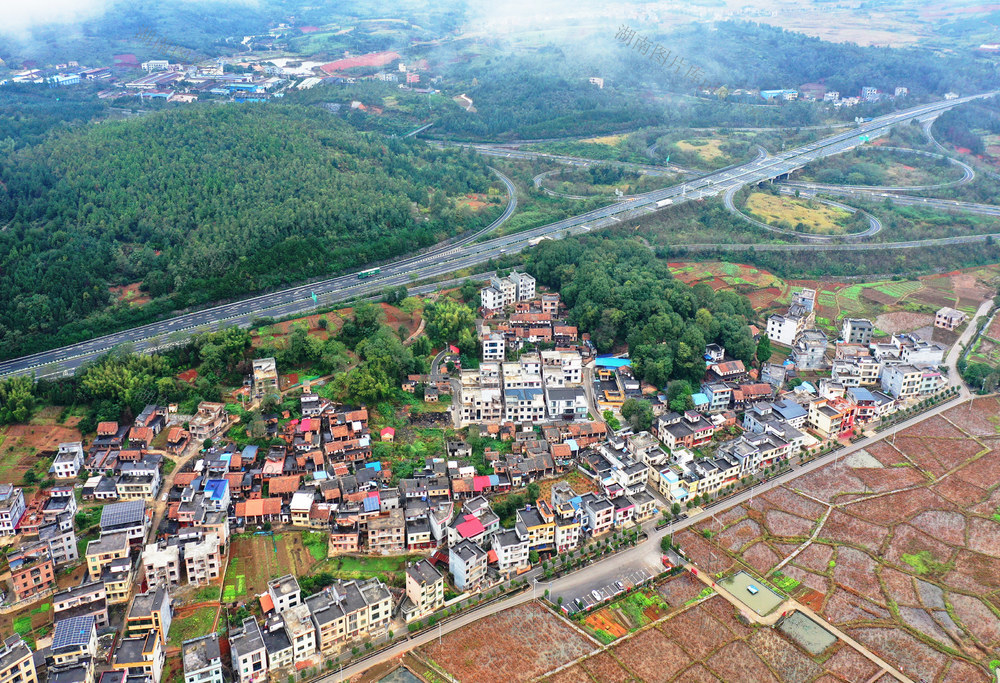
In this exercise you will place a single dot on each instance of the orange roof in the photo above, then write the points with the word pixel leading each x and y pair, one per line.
pixel 184 478
pixel 235 480
pixel 357 415
pixel 235 461
pixel 141 434
pixel 560 450
pixel 289 484
pixel 107 428
pixel 266 603
pixel 176 434
pixel 258 507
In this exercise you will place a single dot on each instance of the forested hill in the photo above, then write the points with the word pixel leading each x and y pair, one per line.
pixel 208 203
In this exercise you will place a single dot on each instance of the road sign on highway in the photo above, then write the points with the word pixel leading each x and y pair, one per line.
pixel 314 297
pixel 864 138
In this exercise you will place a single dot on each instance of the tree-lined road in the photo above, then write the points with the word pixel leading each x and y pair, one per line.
pixel 466 252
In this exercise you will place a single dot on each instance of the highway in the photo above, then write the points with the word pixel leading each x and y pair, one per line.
pixel 466 252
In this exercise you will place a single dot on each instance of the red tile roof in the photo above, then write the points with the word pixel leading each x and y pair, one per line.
pixel 258 507
pixel 281 485
pixel 107 428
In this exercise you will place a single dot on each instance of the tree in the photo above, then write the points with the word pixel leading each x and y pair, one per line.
pixel 679 395
pixel 638 413
pixel 446 319
pixel 763 349
pixel 675 509
pixel 533 557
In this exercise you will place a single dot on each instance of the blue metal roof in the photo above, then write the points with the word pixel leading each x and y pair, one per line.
pixel 699 398
pixel 372 504
pixel 215 489
pixel 250 452
pixel 319 475
pixel 377 466
pixel 612 362
pixel 573 446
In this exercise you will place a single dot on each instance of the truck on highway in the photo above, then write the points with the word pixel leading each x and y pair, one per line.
pixel 664 202
pixel 371 272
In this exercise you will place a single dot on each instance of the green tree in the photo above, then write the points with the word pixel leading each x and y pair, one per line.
pixel 764 349
pixel 638 413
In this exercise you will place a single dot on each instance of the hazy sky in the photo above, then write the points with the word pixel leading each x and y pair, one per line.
pixel 18 16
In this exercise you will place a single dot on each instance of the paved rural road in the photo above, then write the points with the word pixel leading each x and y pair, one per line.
pixel 466 252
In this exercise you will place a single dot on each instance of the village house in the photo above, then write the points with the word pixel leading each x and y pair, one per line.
pixel 424 590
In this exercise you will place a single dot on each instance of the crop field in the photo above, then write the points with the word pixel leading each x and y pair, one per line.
pixel 895 306
pixel 192 623
pixel 707 642
pixel 514 645
pixel 255 560
pixel 898 545
pixel 802 214
pixel 20 445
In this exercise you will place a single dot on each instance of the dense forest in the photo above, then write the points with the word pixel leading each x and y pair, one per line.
pixel 621 293
pixel 209 203
pixel 964 126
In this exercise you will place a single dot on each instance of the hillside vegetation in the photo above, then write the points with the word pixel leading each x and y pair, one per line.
pixel 209 203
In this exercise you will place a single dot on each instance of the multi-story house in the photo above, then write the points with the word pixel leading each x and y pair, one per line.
pixel 831 417
pixel 424 590
pixel 569 403
pixel 720 396
pixel 150 611
pixel 856 330
pixel 467 562
pixel 202 660
pixel 32 570
pixel 203 560
pixel 162 563
pixel 16 662
pixel 493 345
pixel 949 318
pixel 248 653
pixel 915 351
pixel 68 461
pixel 142 655
pixel 599 513
pixel 524 405
pixel 11 509
pixel 61 539
pixel 809 350
pixel 102 551
pixel 74 639
pixel 511 548
pixel 263 379
pixel 690 430
pixel 857 371
pixel 567 532
pixel 129 517
pixel 348 611
pixel 284 593
pixel 539 525
pixel 210 421
pixel 387 533
pixel 901 380
pixel 301 632
pixel 90 598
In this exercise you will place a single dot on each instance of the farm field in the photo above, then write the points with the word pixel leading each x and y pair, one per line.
pixel 905 549
pixel 707 642
pixel 388 569
pixel 894 305
pixel 802 215
pixel 254 560
pixel 20 444
pixel 394 318
pixel 191 623
pixel 706 148
pixel 518 644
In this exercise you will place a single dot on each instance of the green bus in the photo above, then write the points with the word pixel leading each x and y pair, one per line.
pixel 369 273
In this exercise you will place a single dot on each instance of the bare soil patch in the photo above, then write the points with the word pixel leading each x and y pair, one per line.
pixel 514 645
pixel 901 321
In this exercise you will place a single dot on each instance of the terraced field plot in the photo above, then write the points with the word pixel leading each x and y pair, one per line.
pixel 255 560
pixel 899 547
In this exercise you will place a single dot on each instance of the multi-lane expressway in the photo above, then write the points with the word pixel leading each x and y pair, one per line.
pixel 464 253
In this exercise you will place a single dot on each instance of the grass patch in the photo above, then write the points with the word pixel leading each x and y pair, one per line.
pixel 316 542
pixel 207 594
pixel 198 623
pixel 603 636
pixel 924 563
pixel 22 625
pixel 785 583
pixel 802 215
pixel 41 609
pixel 705 593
